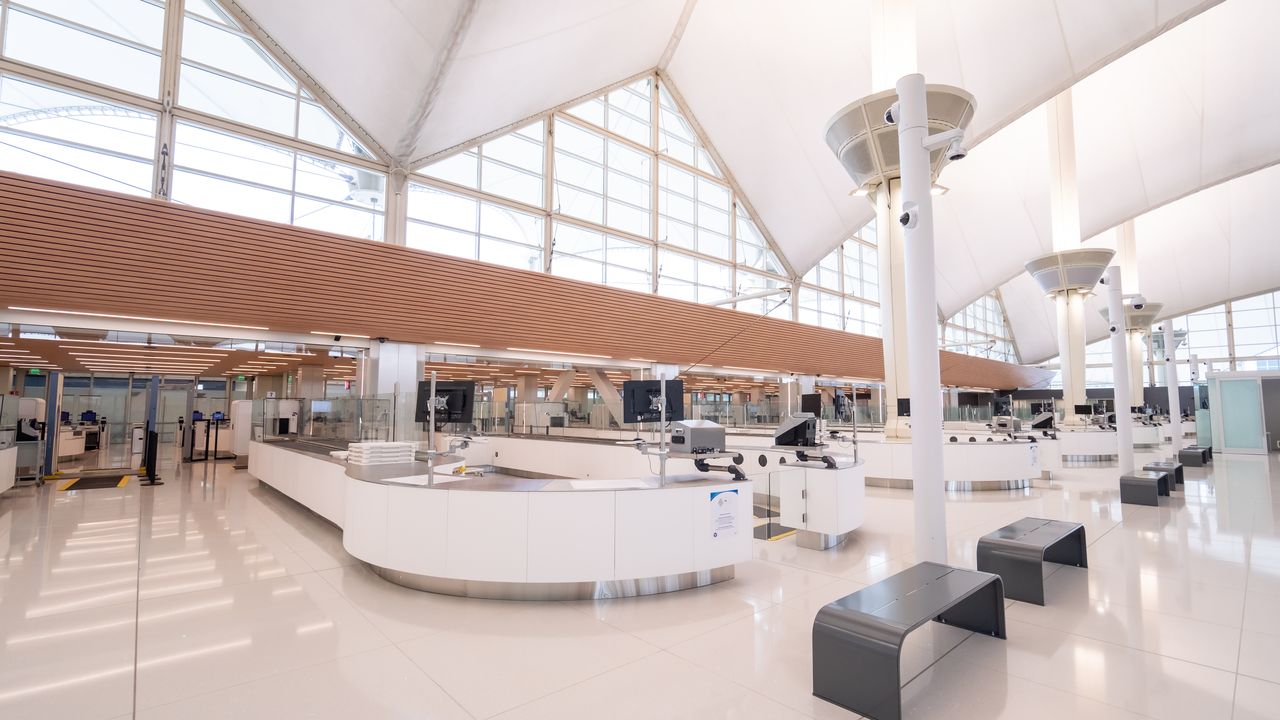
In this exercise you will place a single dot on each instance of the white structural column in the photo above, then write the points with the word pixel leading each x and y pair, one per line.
pixel 1120 367
pixel 1064 211
pixel 1171 383
pixel 1127 255
pixel 394 367
pixel 891 239
pixel 923 368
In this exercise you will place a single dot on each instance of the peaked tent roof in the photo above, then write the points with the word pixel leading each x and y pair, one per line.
pixel 1160 121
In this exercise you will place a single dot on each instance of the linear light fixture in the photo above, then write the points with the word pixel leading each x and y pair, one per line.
pixel 161 358
pixel 455 344
pixel 556 352
pixel 338 334
pixel 159 349
pixel 734 367
pixel 138 317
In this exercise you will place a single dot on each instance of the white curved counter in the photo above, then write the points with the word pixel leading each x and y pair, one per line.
pixel 1146 436
pixel 967 466
pixel 1088 446
pixel 519 538
pixel 8 467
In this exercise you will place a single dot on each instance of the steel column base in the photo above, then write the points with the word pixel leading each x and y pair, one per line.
pixel 1083 459
pixel 550 591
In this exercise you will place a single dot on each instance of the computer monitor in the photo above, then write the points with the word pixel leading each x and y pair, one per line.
pixel 641 401
pixel 1136 409
pixel 65 416
pixel 218 416
pixel 454 402
pixel 1084 409
pixel 811 403
pixel 196 415
pixel 88 416
pixel 904 407
pixel 321 406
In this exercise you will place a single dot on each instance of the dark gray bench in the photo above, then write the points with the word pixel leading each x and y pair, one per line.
pixel 1167 466
pixel 1195 456
pixel 1144 487
pixel 857 640
pixel 1017 554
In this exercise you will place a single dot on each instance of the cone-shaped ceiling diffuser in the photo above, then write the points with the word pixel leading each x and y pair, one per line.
pixel 1075 269
pixel 867 145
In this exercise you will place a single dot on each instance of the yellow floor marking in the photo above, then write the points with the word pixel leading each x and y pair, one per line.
pixel 124 480
pixel 66 486
pixel 787 534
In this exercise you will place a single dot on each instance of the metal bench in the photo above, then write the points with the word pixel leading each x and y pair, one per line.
pixel 1172 467
pixel 857 640
pixel 1017 554
pixel 1144 487
pixel 1195 456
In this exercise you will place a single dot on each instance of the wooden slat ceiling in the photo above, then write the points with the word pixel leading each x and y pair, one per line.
pixel 79 351
pixel 72 248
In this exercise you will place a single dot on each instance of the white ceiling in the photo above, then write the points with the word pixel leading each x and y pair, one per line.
pixel 1214 245
pixel 1192 107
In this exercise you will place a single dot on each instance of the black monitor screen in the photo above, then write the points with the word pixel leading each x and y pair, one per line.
pixel 641 401
pixel 904 407
pixel 811 403
pixel 454 402
pixel 1084 409
pixel 1136 409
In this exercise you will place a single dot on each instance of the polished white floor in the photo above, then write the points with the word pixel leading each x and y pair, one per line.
pixel 213 597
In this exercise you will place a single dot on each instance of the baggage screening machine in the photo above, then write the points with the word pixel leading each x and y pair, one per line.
pixel 662 402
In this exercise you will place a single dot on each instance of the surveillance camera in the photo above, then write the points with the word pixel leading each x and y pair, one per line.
pixel 1139 302
pixel 892 114
pixel 910 216
pixel 956 150
pixel 337 338
pixel 1112 329
pixel 382 340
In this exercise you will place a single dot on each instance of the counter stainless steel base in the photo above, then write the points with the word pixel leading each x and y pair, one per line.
pixel 601 590
pixel 819 541
pixel 1088 459
pixel 954 485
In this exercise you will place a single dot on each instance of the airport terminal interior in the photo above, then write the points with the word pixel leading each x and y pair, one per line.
pixel 470 359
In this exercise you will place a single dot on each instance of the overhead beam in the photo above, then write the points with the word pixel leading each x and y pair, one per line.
pixel 408 141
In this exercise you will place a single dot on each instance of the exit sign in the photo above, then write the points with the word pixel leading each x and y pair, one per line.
pixel 240 378
pixel 33 371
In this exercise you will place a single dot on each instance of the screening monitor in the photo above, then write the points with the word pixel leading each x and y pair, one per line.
pixel 321 406
pixel 811 403
pixel 904 407
pixel 1084 409
pixel 454 402
pixel 641 401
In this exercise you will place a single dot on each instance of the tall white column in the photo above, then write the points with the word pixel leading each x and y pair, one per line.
pixel 1120 367
pixel 1064 213
pixel 923 368
pixel 1070 306
pixel 1171 382
pixel 394 368
pixel 891 239
pixel 1137 345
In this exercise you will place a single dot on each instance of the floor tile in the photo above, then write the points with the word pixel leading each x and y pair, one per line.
pixel 381 683
pixel 497 663
pixel 1256 699
pixel 666 619
pixel 208 640
pixel 1260 655
pixel 658 686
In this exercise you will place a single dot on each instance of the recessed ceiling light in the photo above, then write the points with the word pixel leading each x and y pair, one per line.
pixel 456 344
pixel 155 349
pixel 137 317
pixel 556 352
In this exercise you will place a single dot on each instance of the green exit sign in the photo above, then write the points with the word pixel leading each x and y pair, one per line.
pixel 239 378
pixel 33 371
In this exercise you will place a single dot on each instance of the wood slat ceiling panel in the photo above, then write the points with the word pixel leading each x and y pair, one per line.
pixel 72 248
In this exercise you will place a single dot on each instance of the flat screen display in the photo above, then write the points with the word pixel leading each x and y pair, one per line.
pixel 642 401
pixel 454 402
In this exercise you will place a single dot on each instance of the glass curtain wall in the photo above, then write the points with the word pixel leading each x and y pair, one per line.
pixel 1241 334
pixel 81 89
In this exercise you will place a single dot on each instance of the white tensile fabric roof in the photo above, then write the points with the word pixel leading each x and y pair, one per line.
pixel 1171 97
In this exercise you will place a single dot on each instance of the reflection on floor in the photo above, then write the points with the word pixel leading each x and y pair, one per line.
pixel 221 598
